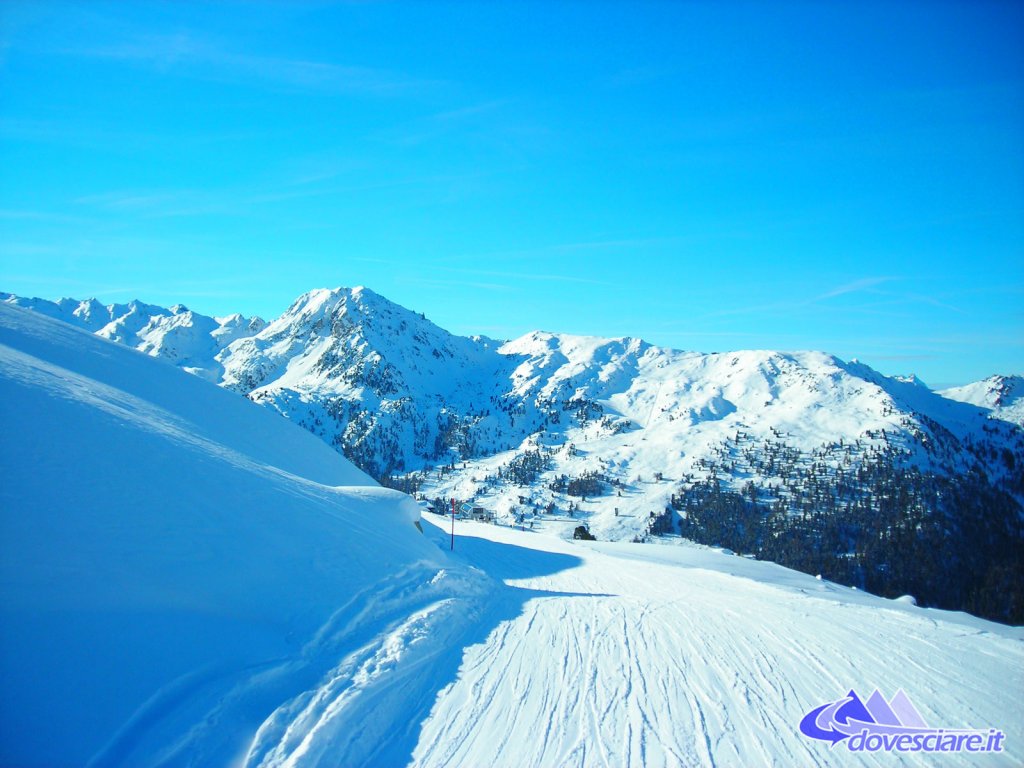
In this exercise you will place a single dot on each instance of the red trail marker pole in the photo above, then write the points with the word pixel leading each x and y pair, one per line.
pixel 453 523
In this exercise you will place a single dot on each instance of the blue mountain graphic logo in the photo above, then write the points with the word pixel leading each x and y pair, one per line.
pixel 878 724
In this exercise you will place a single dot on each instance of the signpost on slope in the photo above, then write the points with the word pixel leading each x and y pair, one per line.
pixel 453 523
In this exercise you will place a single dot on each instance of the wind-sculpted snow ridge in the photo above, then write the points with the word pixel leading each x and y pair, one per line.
pixel 367 708
pixel 183 571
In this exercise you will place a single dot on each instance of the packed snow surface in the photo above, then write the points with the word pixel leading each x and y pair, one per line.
pixel 614 654
pixel 187 579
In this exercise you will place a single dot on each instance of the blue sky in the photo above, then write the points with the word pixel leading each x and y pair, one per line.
pixel 846 176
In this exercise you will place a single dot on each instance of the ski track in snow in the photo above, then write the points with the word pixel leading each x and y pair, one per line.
pixel 601 655
pixel 349 697
pixel 616 661
pixel 357 703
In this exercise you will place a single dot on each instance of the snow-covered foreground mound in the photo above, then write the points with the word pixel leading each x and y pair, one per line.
pixel 631 654
pixel 184 574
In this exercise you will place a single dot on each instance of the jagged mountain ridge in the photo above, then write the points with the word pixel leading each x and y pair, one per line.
pixel 397 394
pixel 386 386
pixel 188 339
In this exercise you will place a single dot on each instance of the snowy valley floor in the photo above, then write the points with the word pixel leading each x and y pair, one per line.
pixel 647 655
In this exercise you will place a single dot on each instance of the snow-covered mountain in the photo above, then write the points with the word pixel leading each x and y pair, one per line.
pixel 186 338
pixel 621 436
pixel 1002 395
pixel 398 394
pixel 186 579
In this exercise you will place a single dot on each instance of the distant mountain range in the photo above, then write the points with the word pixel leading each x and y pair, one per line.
pixel 398 393
pixel 616 434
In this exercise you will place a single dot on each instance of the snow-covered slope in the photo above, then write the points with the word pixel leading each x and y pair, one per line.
pixel 179 564
pixel 1002 395
pixel 187 579
pixel 617 654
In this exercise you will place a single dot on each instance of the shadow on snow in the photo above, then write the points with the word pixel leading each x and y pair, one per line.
pixel 506 604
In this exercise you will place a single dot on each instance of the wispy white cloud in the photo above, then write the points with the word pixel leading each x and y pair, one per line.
pixel 907 357
pixel 162 203
pixel 580 246
pixel 632 76
pixel 173 291
pixel 541 277
pixel 16 248
pixel 187 53
pixel 883 303
pixel 857 286
pixel 935 302
pixel 89 131
pixel 9 214
pixel 611 243
pixel 477 120
pixel 369 260
pixel 755 309
pixel 477 285
pixel 888 299
pixel 690 332
pixel 135 200
pixel 469 111
pixel 1011 338
pixel 172 203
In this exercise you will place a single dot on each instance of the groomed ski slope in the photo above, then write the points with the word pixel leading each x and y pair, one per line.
pixel 679 655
